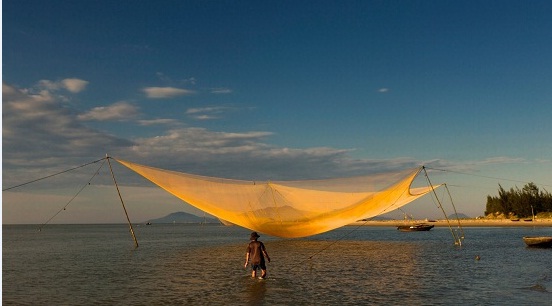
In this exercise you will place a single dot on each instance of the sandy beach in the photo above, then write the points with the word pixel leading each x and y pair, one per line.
pixel 463 223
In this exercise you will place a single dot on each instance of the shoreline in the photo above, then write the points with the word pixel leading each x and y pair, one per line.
pixel 463 223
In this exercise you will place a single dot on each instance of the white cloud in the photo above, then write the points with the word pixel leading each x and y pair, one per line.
pixel 165 92
pixel 72 85
pixel 383 90
pixel 119 111
pixel 205 117
pixel 39 129
pixel 8 91
pixel 49 85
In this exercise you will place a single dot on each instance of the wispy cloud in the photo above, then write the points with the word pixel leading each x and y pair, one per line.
pixel 119 111
pixel 158 122
pixel 169 80
pixel 383 90
pixel 470 166
pixel 221 90
pixel 206 113
pixel 248 155
pixel 165 92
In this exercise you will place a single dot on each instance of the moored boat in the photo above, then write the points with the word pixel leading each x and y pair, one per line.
pixel 418 227
pixel 538 242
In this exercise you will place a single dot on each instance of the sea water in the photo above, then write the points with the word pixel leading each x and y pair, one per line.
pixel 177 264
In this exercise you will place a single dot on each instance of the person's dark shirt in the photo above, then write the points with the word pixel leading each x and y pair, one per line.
pixel 255 250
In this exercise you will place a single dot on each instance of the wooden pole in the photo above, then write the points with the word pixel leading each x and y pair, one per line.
pixel 457 240
pixel 120 197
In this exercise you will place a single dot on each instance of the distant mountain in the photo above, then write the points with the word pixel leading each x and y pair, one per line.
pixel 182 217
pixel 460 216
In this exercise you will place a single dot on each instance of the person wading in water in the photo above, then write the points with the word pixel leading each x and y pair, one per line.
pixel 256 253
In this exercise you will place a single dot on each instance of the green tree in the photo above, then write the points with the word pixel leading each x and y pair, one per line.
pixel 521 202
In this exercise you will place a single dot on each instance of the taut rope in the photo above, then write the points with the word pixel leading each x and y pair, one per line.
pixel 64 171
pixel 71 200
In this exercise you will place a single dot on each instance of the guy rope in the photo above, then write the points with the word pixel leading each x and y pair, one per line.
pixel 81 189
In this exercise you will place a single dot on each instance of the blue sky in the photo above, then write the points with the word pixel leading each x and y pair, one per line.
pixel 271 90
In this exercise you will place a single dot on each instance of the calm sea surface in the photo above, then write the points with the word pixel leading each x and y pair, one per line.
pixel 203 265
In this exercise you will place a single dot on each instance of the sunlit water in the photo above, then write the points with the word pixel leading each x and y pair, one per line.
pixel 203 265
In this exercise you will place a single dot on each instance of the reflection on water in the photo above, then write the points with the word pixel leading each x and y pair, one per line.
pixel 193 265
pixel 349 271
pixel 256 291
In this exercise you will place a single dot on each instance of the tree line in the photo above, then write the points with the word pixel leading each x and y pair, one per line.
pixel 519 202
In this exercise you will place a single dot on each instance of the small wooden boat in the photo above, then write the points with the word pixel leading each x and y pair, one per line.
pixel 418 227
pixel 538 242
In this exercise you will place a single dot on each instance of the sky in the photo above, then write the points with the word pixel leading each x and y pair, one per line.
pixel 269 90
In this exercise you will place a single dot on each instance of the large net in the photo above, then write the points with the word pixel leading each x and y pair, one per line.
pixel 289 209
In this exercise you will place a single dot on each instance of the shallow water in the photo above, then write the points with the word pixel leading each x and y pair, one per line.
pixel 197 265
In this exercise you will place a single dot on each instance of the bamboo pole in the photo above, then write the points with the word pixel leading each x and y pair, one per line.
pixel 457 240
pixel 122 203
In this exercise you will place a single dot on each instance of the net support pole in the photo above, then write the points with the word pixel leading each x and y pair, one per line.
pixel 457 240
pixel 122 203
pixel 455 212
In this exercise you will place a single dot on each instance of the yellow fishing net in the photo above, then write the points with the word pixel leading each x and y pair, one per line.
pixel 289 209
